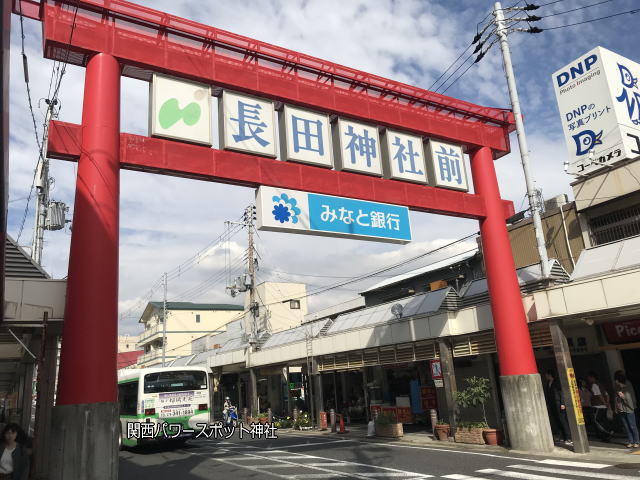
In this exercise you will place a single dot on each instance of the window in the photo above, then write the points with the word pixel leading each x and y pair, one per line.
pixel 198 318
pixel 294 304
pixel 128 397
pixel 616 225
pixel 175 381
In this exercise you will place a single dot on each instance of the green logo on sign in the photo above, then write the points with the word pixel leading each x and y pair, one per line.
pixel 170 113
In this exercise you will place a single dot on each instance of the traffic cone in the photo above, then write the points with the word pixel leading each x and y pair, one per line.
pixel 342 430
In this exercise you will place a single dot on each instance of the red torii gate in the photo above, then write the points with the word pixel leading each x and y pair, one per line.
pixel 115 37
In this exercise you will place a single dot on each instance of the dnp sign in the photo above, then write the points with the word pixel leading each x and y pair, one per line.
pixel 599 103
pixel 576 70
pixel 294 211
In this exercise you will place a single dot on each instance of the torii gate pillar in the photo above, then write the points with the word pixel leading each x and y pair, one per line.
pixel 85 421
pixel 525 409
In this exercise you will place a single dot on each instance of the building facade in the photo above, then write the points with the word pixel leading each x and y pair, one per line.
pixel 185 321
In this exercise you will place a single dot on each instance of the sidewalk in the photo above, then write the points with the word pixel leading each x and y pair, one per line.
pixel 611 453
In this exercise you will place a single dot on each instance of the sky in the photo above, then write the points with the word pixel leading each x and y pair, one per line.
pixel 165 221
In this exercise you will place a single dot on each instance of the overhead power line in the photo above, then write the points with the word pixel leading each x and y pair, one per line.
pixel 376 272
pixel 594 19
pixel 576 9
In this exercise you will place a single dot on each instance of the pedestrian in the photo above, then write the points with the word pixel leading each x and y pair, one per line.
pixel 600 402
pixel 14 455
pixel 556 407
pixel 625 406
pixel 585 401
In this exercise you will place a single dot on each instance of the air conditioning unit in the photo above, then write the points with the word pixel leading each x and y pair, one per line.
pixel 556 202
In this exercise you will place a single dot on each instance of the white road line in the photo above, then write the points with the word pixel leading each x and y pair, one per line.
pixel 326 472
pixel 566 463
pixel 290 457
pixel 450 450
pixel 577 473
pixel 277 465
pixel 392 474
pixel 327 464
pixel 457 476
pixel 415 474
pixel 313 444
pixel 522 476
pixel 319 475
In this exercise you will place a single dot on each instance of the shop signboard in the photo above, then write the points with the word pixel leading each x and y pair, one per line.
pixel 294 211
pixel 436 369
pixel 599 103
pixel 575 396
pixel 323 421
pixel 622 332
pixel 180 110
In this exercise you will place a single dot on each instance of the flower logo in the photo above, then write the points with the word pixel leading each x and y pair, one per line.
pixel 285 209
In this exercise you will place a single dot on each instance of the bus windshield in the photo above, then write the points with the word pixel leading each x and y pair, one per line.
pixel 175 381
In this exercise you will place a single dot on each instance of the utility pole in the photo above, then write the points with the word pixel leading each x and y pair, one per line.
pixel 42 188
pixel 501 31
pixel 253 309
pixel 164 318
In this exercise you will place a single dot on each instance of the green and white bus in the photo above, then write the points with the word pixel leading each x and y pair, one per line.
pixel 171 395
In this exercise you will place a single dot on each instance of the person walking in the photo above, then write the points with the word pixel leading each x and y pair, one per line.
pixel 556 407
pixel 585 402
pixel 625 406
pixel 600 402
pixel 14 457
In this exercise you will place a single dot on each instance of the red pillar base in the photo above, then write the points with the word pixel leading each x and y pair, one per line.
pixel 523 398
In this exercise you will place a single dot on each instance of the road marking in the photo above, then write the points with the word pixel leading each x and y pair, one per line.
pixel 277 465
pixel 330 462
pixel 456 476
pixel 566 463
pixel 523 476
pixel 320 475
pixel 313 444
pixel 577 473
pixel 290 457
pixel 393 474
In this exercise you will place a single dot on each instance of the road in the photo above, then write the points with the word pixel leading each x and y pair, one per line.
pixel 311 456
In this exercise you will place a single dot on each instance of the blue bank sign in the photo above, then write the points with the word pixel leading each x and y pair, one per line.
pixel 293 211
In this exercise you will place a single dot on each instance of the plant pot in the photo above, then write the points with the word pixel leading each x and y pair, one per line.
pixel 492 436
pixel 263 420
pixel 391 430
pixel 442 432
pixel 469 435
pixel 306 428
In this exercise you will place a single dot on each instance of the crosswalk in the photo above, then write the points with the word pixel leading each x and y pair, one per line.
pixel 286 463
pixel 548 469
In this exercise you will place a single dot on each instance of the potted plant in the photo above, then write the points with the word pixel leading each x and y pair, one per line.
pixel 285 422
pixel 442 430
pixel 303 422
pixel 477 393
pixel 388 426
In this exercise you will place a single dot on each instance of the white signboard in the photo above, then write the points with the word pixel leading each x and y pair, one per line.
pixel 247 124
pixel 293 211
pixel 180 110
pixel 404 157
pixel 599 102
pixel 306 136
pixel 357 147
pixel 446 166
